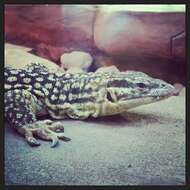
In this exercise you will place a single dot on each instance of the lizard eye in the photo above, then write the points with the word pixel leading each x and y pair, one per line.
pixel 141 85
pixel 109 97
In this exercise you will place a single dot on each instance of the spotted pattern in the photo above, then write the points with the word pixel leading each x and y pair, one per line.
pixel 12 79
pixel 39 79
pixel 26 80
pixel 33 90
pixel 18 110
pixel 48 85
pixel 37 85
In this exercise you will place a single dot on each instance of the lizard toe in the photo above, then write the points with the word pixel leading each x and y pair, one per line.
pixel 63 138
pixel 57 127
pixel 46 134
pixel 55 141
pixel 44 130
pixel 32 141
pixel 47 121
pixel 28 134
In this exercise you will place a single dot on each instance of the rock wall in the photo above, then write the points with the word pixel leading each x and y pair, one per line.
pixel 148 41
pixel 140 33
pixel 54 29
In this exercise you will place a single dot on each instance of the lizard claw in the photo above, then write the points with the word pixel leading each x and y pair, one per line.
pixel 66 139
pixel 63 138
pixel 55 141
pixel 45 130
pixel 29 136
pixel 32 141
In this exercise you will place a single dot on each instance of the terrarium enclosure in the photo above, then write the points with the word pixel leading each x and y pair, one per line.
pixel 143 146
pixel 132 37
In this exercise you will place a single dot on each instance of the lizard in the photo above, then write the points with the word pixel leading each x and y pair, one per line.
pixel 35 91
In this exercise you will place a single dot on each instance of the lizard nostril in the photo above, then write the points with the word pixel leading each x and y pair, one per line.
pixel 109 97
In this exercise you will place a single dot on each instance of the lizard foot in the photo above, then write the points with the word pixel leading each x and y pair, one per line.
pixel 45 130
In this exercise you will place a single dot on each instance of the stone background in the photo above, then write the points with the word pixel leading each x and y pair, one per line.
pixel 152 42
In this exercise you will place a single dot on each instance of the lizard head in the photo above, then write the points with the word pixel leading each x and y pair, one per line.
pixel 102 94
pixel 132 89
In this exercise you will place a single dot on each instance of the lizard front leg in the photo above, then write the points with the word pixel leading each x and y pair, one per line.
pixel 20 111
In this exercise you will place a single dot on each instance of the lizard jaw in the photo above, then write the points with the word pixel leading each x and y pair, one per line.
pixel 121 106
pixel 153 94
pixel 125 103
pixel 136 102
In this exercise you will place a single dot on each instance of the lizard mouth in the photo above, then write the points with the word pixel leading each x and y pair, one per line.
pixel 112 97
pixel 126 102
pixel 157 98
pixel 153 95
pixel 169 93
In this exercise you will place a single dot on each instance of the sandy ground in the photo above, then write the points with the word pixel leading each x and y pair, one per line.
pixel 145 147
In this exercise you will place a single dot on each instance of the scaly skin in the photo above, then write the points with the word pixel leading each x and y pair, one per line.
pixel 34 91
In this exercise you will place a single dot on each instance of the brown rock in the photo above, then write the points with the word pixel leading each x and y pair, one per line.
pixel 134 33
pixel 48 29
pixel 18 57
